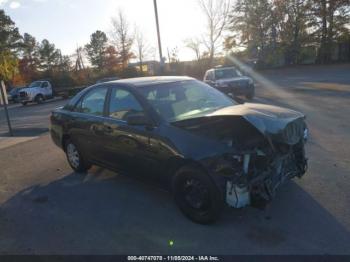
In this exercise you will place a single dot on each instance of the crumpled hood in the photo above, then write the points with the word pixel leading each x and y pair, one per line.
pixel 278 123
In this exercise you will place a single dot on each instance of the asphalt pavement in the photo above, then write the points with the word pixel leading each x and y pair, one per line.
pixel 29 120
pixel 45 208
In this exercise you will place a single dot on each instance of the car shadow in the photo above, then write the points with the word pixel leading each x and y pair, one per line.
pixel 108 213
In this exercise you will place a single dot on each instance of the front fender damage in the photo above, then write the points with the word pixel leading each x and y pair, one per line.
pixel 264 150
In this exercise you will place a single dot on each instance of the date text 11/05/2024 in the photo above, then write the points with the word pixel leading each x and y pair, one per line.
pixel 173 258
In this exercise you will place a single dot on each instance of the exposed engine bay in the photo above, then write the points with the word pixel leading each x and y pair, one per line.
pixel 266 150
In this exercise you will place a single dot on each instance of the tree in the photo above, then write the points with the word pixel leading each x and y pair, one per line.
pixel 29 62
pixel 8 65
pixel 9 42
pixel 9 34
pixel 64 64
pixel 79 63
pixel 49 55
pixel 195 45
pixel 96 49
pixel 293 18
pixel 142 47
pixel 251 26
pixel 331 18
pixel 122 38
pixel 216 12
pixel 112 60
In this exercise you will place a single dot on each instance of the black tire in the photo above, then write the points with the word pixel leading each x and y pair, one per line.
pixel 24 103
pixel 197 196
pixel 80 165
pixel 250 95
pixel 39 99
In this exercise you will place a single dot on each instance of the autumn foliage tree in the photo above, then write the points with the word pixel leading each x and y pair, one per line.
pixel 9 44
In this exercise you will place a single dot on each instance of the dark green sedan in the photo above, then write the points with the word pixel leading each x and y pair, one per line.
pixel 206 147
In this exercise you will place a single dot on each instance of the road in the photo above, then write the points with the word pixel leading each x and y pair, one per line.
pixel 45 208
pixel 29 120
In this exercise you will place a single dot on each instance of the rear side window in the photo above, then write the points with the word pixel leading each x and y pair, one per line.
pixel 122 104
pixel 93 102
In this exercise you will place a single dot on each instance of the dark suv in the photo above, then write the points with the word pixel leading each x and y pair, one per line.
pixel 208 148
pixel 230 81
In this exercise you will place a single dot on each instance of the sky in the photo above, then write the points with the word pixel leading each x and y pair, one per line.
pixel 69 23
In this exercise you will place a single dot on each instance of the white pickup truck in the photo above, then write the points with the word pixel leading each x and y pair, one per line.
pixel 38 91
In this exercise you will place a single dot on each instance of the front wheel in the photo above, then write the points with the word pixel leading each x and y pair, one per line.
pixel 24 103
pixel 197 196
pixel 75 159
pixel 39 99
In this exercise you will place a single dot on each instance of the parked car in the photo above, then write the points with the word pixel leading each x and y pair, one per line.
pixel 38 92
pixel 107 79
pixel 230 81
pixel 13 94
pixel 210 149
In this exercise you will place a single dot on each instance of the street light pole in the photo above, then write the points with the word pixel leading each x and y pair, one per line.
pixel 158 33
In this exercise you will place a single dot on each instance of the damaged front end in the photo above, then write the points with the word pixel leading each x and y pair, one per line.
pixel 260 173
pixel 266 149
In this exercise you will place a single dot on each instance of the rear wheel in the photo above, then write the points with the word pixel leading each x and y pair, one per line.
pixel 39 99
pixel 75 159
pixel 197 196
pixel 24 103
pixel 250 95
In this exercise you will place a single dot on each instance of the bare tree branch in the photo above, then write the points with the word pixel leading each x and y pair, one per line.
pixel 122 38
pixel 216 12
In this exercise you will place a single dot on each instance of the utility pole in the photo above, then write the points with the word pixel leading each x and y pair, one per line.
pixel 158 33
pixel 4 102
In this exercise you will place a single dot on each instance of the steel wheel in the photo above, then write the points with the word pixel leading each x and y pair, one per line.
pixel 73 155
pixel 196 195
pixel 75 158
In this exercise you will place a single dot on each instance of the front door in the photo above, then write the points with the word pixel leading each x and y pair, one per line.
pixel 46 90
pixel 126 145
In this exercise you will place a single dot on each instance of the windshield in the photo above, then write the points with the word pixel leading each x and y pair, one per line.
pixel 186 99
pixel 227 73
pixel 35 84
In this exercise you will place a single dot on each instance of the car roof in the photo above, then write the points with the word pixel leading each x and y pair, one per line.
pixel 152 80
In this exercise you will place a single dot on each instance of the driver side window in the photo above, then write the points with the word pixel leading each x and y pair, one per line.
pixel 93 102
pixel 122 104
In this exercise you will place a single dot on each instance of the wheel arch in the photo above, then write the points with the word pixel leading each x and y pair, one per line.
pixel 173 165
pixel 64 139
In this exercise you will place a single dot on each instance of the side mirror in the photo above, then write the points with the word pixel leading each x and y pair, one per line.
pixel 138 120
